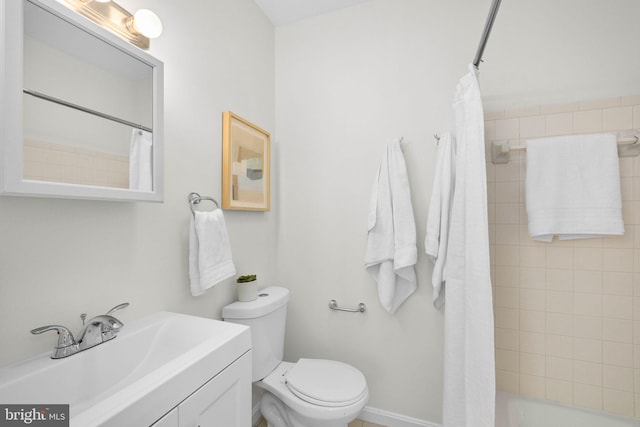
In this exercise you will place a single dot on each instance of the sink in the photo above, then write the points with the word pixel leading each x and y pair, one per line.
pixel 149 368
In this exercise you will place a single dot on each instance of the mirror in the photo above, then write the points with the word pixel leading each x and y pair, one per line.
pixel 84 108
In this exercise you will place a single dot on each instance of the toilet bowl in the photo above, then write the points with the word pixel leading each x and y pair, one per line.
pixel 308 393
pixel 313 393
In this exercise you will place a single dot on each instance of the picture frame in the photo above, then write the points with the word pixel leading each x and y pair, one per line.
pixel 246 164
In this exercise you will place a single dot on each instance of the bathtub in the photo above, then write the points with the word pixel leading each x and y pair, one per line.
pixel 513 410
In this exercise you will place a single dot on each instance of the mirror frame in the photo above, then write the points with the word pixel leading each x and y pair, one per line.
pixel 11 109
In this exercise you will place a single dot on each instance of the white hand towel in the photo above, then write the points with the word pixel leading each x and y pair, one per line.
pixel 140 173
pixel 391 242
pixel 209 251
pixel 573 187
pixel 437 236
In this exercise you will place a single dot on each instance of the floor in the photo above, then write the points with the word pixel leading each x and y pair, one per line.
pixel 355 423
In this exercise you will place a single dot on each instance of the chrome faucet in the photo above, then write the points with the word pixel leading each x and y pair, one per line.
pixel 95 331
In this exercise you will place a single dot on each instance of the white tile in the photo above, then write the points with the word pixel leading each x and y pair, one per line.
pixel 618 378
pixel 618 260
pixel 559 302
pixel 587 396
pixel 532 127
pixel 508 381
pixel 532 278
pixel 617 283
pixel 533 342
pixel 588 350
pixel 507 339
pixel 559 324
pixel 559 368
pixel 587 281
pixel 587 258
pixel 618 118
pixel 559 390
pixel 587 304
pixel 587 327
pixel 617 354
pixel 532 321
pixel 532 386
pixel 618 307
pixel 559 346
pixel 559 280
pixel 532 256
pixel 601 103
pixel 507 360
pixel 508 318
pixel 506 276
pixel 587 121
pixel 585 372
pixel 559 124
pixel 617 330
pixel 532 364
pixel 559 257
pixel 532 299
pixel 619 402
pixel 507 297
pixel 507 128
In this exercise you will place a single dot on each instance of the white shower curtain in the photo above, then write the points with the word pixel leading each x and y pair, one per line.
pixel 469 364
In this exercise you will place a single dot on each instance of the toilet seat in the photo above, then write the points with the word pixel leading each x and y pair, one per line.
pixel 326 382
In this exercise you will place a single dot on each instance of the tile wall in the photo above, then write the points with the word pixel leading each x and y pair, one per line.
pixel 567 314
pixel 60 163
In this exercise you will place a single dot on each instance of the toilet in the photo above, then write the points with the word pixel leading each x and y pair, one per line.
pixel 308 393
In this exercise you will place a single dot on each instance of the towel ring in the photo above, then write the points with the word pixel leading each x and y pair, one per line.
pixel 195 198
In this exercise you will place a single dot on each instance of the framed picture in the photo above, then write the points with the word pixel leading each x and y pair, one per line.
pixel 245 164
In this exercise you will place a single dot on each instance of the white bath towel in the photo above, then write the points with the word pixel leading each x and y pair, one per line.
pixel 469 360
pixel 437 236
pixel 573 187
pixel 140 154
pixel 210 259
pixel 391 242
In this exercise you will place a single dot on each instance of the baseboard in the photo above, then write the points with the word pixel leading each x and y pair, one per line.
pixel 391 419
pixel 372 415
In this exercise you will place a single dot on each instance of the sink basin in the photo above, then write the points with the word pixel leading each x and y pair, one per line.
pixel 148 369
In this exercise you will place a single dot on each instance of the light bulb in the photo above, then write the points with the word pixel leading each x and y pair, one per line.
pixel 147 23
pixel 103 1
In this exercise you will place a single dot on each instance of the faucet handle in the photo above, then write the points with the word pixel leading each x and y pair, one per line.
pixel 118 307
pixel 65 337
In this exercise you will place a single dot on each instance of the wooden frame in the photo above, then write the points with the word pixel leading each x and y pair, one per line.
pixel 246 169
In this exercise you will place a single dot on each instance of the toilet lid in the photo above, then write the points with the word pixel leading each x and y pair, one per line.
pixel 326 382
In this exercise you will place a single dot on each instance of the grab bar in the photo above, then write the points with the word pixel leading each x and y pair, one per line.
pixel 333 305
pixel 195 198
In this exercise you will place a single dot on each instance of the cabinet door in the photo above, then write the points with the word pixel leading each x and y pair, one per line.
pixel 224 401
pixel 169 420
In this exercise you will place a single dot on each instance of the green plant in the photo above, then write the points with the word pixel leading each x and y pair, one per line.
pixel 247 278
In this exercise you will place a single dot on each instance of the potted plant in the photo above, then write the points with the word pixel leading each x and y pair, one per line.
pixel 247 287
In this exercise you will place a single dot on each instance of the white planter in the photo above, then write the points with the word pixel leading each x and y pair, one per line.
pixel 247 291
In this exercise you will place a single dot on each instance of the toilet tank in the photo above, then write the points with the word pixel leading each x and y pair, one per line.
pixel 266 316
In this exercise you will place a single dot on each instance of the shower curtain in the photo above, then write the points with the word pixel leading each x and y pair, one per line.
pixel 469 364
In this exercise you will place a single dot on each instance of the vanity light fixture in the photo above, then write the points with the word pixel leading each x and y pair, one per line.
pixel 136 29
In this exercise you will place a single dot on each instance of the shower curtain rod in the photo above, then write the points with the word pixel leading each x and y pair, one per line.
pixel 485 34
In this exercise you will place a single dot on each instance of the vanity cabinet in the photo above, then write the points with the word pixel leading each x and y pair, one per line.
pixel 225 400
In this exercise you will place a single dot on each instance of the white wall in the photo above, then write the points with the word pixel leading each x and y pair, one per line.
pixel 348 81
pixel 60 258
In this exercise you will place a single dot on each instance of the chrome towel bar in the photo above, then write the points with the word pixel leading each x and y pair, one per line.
pixel 333 305
pixel 195 198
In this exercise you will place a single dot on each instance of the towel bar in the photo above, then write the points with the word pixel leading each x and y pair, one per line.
pixel 195 198
pixel 333 305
